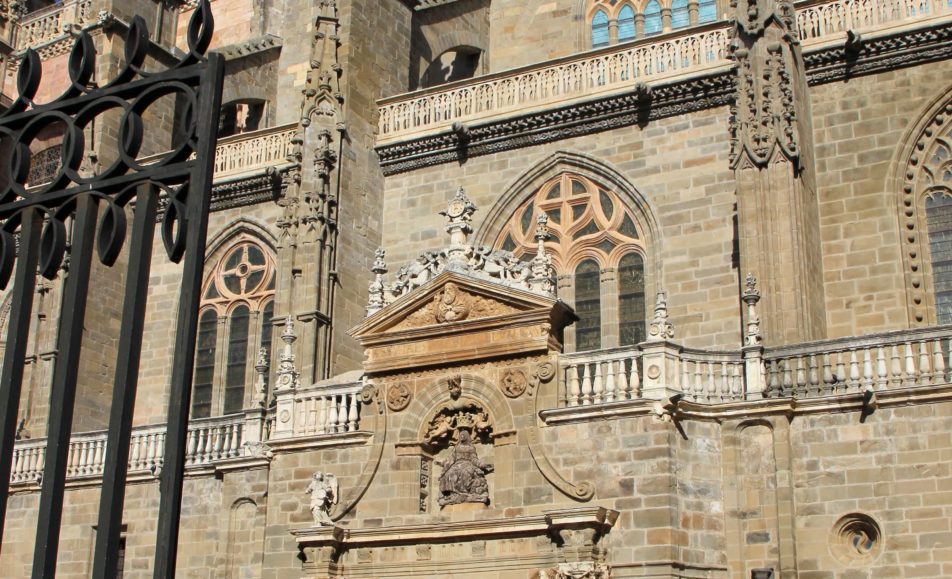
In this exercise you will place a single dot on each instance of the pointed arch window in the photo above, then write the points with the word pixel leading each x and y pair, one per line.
pixel 599 30
pixel 237 311
pixel 652 18
pixel 626 24
pixel 679 14
pixel 597 247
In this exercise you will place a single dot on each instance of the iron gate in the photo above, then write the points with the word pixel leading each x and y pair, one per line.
pixel 36 221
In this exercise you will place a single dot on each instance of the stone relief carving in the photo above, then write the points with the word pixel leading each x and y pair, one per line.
pixel 324 491
pixel 398 397
pixel 577 570
pixel 464 475
pixel 514 383
pixel 451 304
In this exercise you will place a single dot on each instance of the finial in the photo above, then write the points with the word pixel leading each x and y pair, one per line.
pixel 287 375
pixel 750 297
pixel 541 265
pixel 661 328
pixel 459 211
pixel 261 369
pixel 376 290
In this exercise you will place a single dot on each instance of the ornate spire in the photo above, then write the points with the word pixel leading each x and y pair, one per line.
pixel 751 296
pixel 376 301
pixel 661 328
pixel 287 375
pixel 541 265
pixel 261 370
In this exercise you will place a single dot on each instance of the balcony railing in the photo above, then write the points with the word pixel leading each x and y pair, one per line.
pixel 46 24
pixel 209 441
pixel 253 151
pixel 877 362
pixel 616 69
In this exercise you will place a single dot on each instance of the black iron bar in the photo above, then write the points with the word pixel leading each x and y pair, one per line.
pixel 183 361
pixel 112 497
pixel 11 379
pixel 63 390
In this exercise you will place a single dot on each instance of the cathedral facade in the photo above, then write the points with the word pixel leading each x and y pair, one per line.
pixel 530 289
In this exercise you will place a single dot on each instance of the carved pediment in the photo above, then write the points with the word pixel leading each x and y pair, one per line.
pixel 459 317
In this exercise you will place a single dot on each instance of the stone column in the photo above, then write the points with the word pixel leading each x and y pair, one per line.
pixel 772 159
pixel 666 19
pixel 613 31
pixel 693 11
pixel 639 25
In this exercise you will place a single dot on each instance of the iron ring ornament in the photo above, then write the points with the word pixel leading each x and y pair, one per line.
pixel 131 92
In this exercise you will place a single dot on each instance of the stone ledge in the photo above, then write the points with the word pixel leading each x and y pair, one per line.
pixel 598 518
pixel 837 403
pixel 315 441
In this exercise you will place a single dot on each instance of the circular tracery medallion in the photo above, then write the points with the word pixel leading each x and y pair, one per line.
pixel 514 383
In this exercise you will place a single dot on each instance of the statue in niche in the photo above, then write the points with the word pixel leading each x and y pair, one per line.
pixel 324 492
pixel 464 475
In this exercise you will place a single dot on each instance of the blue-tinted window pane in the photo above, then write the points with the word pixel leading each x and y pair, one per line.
pixel 626 24
pixel 939 218
pixel 707 11
pixel 204 365
pixel 631 299
pixel 237 360
pixel 588 329
pixel 652 18
pixel 679 14
pixel 599 29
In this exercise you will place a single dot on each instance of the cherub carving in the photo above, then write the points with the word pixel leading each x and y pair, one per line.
pixel 324 491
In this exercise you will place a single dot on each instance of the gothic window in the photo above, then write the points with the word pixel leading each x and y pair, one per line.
pixel 599 30
pixel 240 117
pixel 679 14
pixel 44 165
pixel 652 18
pixel 939 220
pixel 235 321
pixel 626 24
pixel 597 248
pixel 707 11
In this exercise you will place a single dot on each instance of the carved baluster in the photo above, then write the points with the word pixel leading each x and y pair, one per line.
pixel 881 369
pixel 801 376
pixel 586 386
pixel 322 416
pixel 773 380
pixel 685 378
pixel 100 452
pixel 202 454
pixel 827 373
pixel 16 462
pixel 192 447
pixel 854 371
pixel 787 377
pixel 909 372
pixel 352 412
pixel 634 381
pixel 82 466
pixel 925 368
pixel 938 363
pixel 624 389
pixel 842 378
pixel 725 383
pixel 896 378
pixel 868 376
pixel 610 381
pixel 813 374
pixel 597 387
pixel 574 391
pixel 737 389
pixel 711 385
pixel 698 383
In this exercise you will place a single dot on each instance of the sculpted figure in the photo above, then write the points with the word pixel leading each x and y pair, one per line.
pixel 450 305
pixel 324 492
pixel 464 475
pixel 440 429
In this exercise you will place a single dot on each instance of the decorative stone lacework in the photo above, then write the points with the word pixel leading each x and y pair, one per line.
pixel 926 183
pixel 245 273
pixel 582 219
pixel 499 266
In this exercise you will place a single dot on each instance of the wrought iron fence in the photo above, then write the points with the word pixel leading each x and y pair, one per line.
pixel 91 211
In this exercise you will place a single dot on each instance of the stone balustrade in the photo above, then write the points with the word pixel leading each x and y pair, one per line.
pixel 209 440
pixel 603 376
pixel 323 411
pixel 690 51
pixel 879 362
pixel 253 151
pixel 48 23
pixel 830 367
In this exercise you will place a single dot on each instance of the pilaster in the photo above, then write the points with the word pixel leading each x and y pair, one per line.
pixel 772 158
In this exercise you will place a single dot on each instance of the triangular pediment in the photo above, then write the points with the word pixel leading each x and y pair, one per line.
pixel 451 301
pixel 458 317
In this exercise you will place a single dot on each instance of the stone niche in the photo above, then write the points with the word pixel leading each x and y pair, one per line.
pixel 455 368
